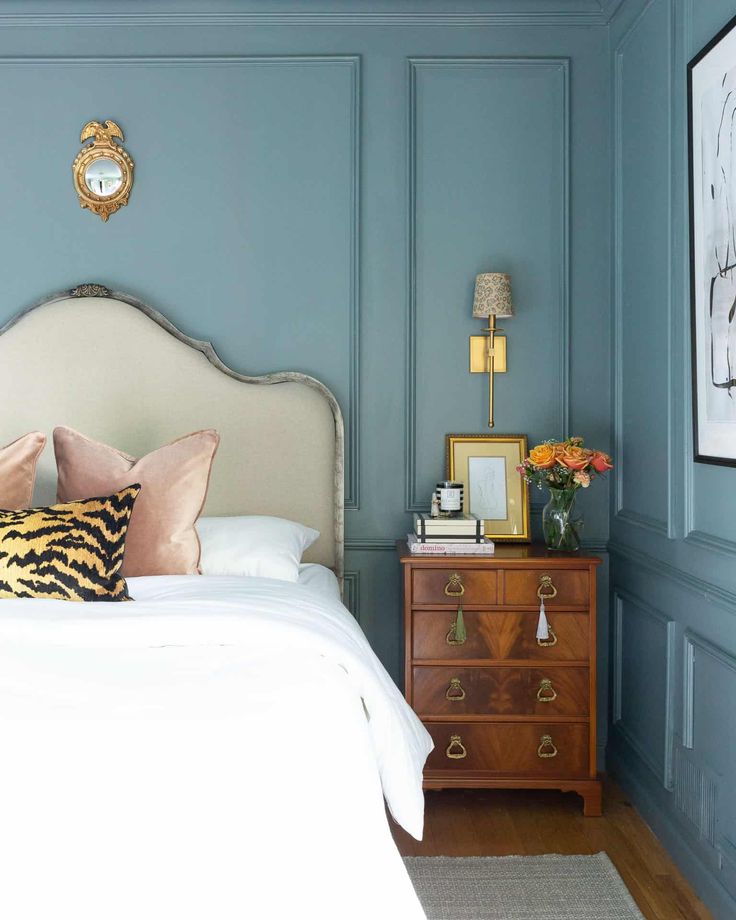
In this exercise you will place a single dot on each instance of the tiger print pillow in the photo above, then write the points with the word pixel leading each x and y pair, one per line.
pixel 71 551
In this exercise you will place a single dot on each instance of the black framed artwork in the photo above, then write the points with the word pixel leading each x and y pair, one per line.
pixel 711 94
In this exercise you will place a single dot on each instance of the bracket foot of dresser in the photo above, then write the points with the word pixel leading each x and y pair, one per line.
pixel 592 799
pixel 589 790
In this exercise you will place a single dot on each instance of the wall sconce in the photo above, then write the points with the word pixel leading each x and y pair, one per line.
pixel 488 352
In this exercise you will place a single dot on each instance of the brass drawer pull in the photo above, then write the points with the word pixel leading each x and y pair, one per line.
pixel 544 643
pixel 456 750
pixel 455 692
pixel 546 747
pixel 455 586
pixel 457 634
pixel 546 590
pixel 546 692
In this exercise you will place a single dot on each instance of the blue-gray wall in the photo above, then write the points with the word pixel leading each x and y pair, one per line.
pixel 316 191
pixel 673 530
pixel 317 183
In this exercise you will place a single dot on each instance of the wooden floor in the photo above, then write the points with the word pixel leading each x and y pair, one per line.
pixel 481 822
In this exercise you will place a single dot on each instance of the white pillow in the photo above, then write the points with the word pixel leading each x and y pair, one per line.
pixel 268 547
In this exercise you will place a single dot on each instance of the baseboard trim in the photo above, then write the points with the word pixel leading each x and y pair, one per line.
pixel 638 784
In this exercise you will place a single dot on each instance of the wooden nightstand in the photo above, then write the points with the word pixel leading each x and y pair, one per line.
pixel 505 709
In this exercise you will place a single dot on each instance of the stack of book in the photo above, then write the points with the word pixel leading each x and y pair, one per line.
pixel 461 535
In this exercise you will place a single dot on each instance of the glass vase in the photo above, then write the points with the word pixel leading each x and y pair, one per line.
pixel 560 527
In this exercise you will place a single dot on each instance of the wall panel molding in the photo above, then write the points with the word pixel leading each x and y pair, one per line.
pixel 561 67
pixel 664 769
pixel 372 544
pixel 353 63
pixel 643 521
pixel 705 590
pixel 692 641
pixel 710 542
pixel 351 593
pixel 565 13
pixel 621 513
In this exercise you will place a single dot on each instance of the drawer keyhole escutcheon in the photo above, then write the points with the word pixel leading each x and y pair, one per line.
pixel 544 643
pixel 546 692
pixel 457 634
pixel 546 747
pixel 455 692
pixel 456 750
pixel 455 586
pixel 546 590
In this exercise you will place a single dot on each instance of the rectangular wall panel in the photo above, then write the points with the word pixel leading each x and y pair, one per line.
pixel 643 681
pixel 246 190
pixel 642 140
pixel 488 192
pixel 709 730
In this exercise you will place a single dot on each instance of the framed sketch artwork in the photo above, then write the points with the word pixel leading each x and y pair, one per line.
pixel 712 145
pixel 494 490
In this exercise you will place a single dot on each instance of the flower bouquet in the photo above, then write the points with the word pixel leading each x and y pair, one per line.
pixel 564 467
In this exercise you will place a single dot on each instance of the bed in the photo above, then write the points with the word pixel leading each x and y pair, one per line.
pixel 223 746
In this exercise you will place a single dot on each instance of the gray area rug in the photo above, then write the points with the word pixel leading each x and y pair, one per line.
pixel 521 888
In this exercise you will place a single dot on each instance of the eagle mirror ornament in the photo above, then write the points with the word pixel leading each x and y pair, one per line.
pixel 103 170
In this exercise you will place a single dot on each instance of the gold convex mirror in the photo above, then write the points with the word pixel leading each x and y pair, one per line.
pixel 103 170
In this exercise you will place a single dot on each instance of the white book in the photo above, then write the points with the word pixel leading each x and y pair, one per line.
pixel 436 548
pixel 463 523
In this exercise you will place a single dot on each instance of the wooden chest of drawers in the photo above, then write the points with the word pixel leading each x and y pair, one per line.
pixel 504 708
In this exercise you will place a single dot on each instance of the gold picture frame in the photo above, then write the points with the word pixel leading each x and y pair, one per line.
pixel 493 489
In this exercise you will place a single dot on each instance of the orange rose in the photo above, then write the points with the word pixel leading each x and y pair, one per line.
pixel 574 458
pixel 601 462
pixel 543 456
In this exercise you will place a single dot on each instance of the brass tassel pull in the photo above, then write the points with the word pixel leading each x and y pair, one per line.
pixel 546 589
pixel 457 634
pixel 545 643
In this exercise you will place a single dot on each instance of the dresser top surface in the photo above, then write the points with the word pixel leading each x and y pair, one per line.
pixel 505 553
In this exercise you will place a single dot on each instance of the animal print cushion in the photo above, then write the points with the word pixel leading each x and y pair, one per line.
pixel 70 552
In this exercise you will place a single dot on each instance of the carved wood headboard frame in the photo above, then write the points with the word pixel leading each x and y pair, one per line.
pixel 118 370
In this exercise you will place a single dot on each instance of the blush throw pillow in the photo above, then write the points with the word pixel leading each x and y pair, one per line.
pixel 18 470
pixel 68 552
pixel 174 479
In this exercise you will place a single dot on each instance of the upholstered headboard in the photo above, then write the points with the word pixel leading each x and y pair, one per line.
pixel 117 370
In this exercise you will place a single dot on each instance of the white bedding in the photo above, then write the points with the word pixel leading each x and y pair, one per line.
pixel 217 749
pixel 319 578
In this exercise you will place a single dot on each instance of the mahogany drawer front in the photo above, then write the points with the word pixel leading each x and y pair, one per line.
pixel 452 586
pixel 500 635
pixel 533 749
pixel 521 587
pixel 447 691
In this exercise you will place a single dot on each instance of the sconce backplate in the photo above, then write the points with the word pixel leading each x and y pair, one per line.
pixel 479 354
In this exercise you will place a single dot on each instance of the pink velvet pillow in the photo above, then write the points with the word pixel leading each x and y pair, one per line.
pixel 161 538
pixel 18 470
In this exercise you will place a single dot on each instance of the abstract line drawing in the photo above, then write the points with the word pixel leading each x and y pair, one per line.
pixel 712 143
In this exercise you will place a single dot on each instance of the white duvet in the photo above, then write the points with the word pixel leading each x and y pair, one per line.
pixel 218 749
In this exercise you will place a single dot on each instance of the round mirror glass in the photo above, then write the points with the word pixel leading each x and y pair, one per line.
pixel 103 177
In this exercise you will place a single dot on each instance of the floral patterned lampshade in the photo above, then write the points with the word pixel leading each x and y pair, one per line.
pixel 493 295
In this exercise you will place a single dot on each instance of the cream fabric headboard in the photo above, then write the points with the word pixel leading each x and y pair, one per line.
pixel 118 371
